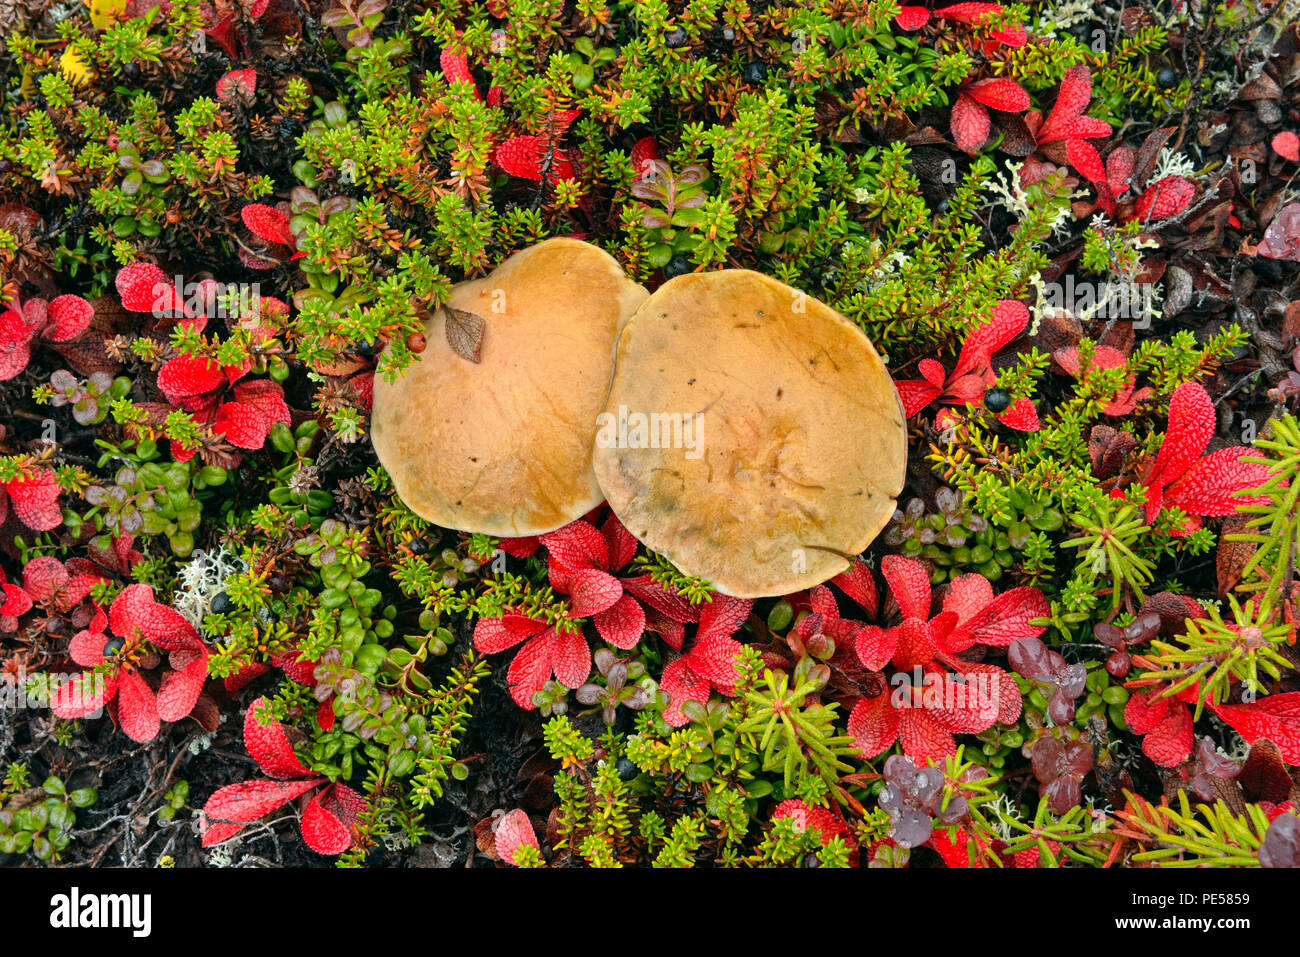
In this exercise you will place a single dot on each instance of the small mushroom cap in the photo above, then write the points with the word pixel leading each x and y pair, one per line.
pixel 793 443
pixel 503 446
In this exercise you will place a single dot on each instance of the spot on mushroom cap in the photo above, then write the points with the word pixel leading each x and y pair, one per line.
pixel 503 446
pixel 801 445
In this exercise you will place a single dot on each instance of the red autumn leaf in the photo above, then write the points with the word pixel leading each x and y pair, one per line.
pixel 1085 158
pixel 916 395
pixel 455 67
pixel 1163 199
pixel 35 500
pixel 67 318
pixel 241 83
pixel 1212 485
pixel 180 690
pixel 137 709
pixel 232 807
pixel 1000 93
pixel 322 830
pixel 1172 740
pixel 592 590
pixel 269 746
pixel 135 610
pixel 83 694
pixel 1022 416
pixel 1287 145
pixel 1008 320
pixel 912 18
pixel 1276 717
pixel 859 585
pixel 268 223
pixel 187 377
pixel 1071 100
pixel 969 123
pixel 873 724
pixel 909 583
pixel 621 624
pixel 511 832
pixel 146 288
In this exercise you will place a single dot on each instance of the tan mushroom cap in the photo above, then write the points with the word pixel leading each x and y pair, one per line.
pixel 503 446
pixel 801 445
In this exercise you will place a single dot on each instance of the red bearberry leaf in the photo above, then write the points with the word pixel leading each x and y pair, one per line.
pixel 146 288
pixel 268 223
pixel 570 658
pixel 83 695
pixel 137 709
pixel 873 723
pixel 1191 426
pixel 522 156
pixel 180 690
pixel 269 746
pixel 1071 101
pixel 16 601
pixel 859 584
pixel 35 500
pixel 134 609
pixel 592 591
pixel 912 18
pixel 681 684
pixel 1276 717
pixel 511 832
pixel 623 623
pixel 969 12
pixel 875 646
pixel 243 426
pixel 530 669
pixel 15 351
pixel 1164 198
pixel 916 394
pixel 1144 711
pixel 909 583
pixel 322 831
pixel 240 83
pixel 1008 320
pixel 1000 93
pixel 455 67
pixel 969 123
pixel 721 617
pixel 186 377
pixel 67 318
pixel 916 644
pixel 922 737
pixel 1085 158
pixel 621 543
pixel 491 635
pixel 236 805
pixel 1171 741
pixel 668 603
pixel 1212 484
pixel 1287 145
pixel 43 578
pixel 266 396
pixel 575 547
pixel 713 658
pixel 1022 416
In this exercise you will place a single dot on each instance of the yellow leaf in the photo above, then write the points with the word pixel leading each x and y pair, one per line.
pixel 72 66
pixel 104 13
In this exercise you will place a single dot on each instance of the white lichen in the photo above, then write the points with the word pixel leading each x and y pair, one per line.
pixel 202 579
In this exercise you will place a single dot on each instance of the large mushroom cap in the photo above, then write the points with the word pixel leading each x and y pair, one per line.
pixel 792 443
pixel 503 446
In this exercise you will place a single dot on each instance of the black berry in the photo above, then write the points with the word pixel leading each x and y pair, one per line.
pixel 997 400
pixel 626 769
pixel 222 603
pixel 755 73
pixel 113 646
pixel 676 38
pixel 1166 79
pixel 418 546
pixel 677 266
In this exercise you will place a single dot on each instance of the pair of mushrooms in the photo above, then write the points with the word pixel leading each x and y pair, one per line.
pixel 749 433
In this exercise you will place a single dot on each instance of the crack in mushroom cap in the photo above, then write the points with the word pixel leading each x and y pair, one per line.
pixel 503 446
pixel 802 443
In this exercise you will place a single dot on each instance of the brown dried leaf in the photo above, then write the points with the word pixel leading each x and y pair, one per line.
pixel 1232 556
pixel 1263 777
pixel 465 332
